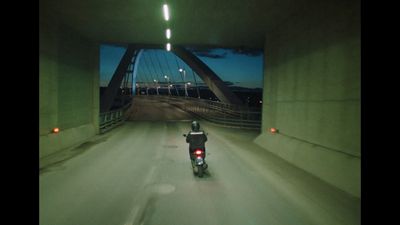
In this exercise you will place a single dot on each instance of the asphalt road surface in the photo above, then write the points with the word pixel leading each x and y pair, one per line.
pixel 140 173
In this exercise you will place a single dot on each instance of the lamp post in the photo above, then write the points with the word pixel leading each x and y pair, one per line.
pixel 169 86
pixel 186 84
pixel 156 83
pixel 137 89
pixel 184 75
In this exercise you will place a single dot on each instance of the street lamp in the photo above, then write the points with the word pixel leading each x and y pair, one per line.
pixel 184 75
pixel 186 92
pixel 156 83
pixel 169 86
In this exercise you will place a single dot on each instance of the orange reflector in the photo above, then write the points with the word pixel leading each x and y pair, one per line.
pixel 273 130
pixel 56 130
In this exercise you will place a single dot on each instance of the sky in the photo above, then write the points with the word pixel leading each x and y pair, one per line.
pixel 239 68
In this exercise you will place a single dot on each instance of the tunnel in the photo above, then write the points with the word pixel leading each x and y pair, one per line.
pixel 302 165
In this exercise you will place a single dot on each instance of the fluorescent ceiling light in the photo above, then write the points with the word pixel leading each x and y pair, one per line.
pixel 166 12
pixel 168 33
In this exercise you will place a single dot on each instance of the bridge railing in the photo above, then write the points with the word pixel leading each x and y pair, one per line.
pixel 111 119
pixel 218 112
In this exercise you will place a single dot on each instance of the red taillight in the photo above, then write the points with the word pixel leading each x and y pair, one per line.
pixel 198 152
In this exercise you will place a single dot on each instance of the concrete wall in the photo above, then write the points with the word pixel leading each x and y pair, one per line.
pixel 68 87
pixel 312 91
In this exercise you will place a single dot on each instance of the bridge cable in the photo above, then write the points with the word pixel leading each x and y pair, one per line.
pixel 172 74
pixel 145 60
pixel 179 67
pixel 139 78
pixel 185 67
pixel 150 81
pixel 161 71
pixel 148 85
pixel 154 67
pixel 142 78
pixel 158 61
pixel 195 82
pixel 147 72
pixel 169 77
pixel 159 74
pixel 194 78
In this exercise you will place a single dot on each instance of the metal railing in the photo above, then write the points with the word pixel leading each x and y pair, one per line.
pixel 218 112
pixel 111 119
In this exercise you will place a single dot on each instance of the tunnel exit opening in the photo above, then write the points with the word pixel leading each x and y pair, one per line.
pixel 154 71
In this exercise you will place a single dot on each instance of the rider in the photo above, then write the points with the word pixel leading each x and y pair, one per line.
pixel 196 139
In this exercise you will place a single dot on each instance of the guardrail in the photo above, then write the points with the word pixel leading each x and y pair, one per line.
pixel 220 113
pixel 217 112
pixel 111 119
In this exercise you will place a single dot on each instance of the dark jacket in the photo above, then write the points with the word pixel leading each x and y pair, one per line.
pixel 196 139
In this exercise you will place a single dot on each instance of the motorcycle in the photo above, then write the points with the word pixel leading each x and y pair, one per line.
pixel 199 164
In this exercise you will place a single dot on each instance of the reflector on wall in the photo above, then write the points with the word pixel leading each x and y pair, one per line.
pixel 273 130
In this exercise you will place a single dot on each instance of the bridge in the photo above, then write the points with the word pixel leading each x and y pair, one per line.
pixel 129 165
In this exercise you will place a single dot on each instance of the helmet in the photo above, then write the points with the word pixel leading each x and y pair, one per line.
pixel 195 126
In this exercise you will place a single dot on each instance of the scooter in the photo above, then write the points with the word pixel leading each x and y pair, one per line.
pixel 199 164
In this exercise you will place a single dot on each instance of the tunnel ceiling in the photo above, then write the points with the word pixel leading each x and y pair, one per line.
pixel 220 23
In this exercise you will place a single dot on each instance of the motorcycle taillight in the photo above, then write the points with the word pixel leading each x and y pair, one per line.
pixel 198 152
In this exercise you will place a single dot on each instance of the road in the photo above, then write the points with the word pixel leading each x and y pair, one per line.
pixel 139 173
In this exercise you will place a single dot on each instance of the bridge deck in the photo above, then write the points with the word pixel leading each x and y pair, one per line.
pixel 152 109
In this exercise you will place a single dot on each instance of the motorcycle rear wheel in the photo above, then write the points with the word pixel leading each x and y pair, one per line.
pixel 200 171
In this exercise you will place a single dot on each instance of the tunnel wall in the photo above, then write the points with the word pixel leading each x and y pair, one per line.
pixel 68 87
pixel 312 92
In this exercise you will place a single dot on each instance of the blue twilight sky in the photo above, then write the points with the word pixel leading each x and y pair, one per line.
pixel 243 68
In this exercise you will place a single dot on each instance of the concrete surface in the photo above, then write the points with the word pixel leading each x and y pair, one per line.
pixel 311 94
pixel 152 109
pixel 139 173
pixel 68 87
pixel 312 85
pixel 231 23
